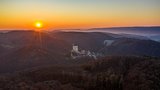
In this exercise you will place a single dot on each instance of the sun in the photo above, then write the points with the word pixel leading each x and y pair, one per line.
pixel 38 24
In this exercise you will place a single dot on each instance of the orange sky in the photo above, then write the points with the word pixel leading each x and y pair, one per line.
pixel 22 14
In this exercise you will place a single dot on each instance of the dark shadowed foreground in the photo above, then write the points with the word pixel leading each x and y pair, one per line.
pixel 109 73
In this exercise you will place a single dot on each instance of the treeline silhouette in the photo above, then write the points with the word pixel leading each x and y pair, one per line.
pixel 109 73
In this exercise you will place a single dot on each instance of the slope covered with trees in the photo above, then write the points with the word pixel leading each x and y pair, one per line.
pixel 109 73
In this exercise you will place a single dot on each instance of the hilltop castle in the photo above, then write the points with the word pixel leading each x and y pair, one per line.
pixel 76 53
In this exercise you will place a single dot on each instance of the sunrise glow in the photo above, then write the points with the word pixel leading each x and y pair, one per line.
pixel 20 14
pixel 38 25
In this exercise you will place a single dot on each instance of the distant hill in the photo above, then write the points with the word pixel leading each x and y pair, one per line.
pixel 134 36
pixel 92 41
pixel 155 37
pixel 17 39
pixel 128 46
pixel 21 50
pixel 124 44
pixel 131 30
pixel 26 49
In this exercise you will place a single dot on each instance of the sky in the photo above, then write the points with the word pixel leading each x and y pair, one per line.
pixel 58 14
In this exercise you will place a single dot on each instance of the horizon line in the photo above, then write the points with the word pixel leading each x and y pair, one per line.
pixel 86 28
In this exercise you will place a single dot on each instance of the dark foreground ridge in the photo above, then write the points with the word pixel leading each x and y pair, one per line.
pixel 109 73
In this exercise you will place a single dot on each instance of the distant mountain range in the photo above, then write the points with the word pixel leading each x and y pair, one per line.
pixel 21 50
pixel 155 37
pixel 129 47
pixel 144 32
pixel 131 30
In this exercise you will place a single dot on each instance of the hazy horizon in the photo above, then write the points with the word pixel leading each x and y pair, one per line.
pixel 55 14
